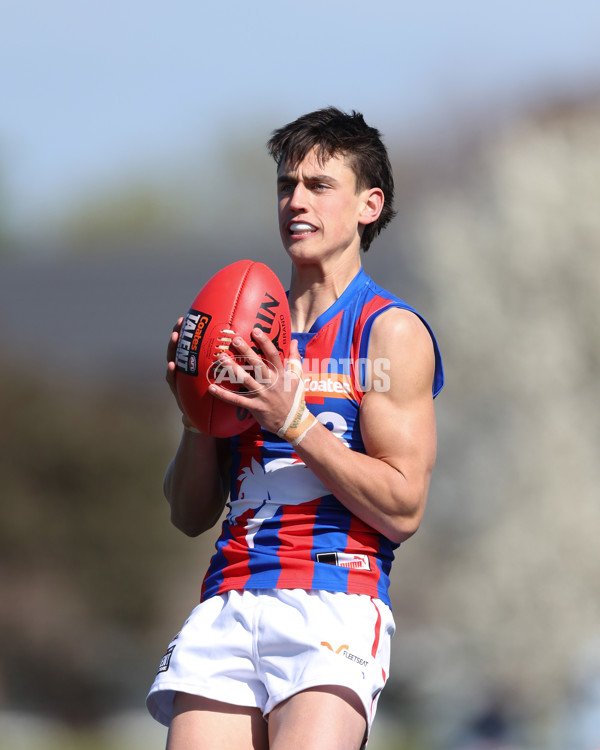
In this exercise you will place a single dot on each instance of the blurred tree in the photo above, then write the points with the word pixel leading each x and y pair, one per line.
pixel 197 194
pixel 136 210
pixel 85 548
pixel 507 563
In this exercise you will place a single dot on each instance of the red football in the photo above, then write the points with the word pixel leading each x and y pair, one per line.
pixel 240 297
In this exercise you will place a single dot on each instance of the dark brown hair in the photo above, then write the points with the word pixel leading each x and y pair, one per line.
pixel 334 133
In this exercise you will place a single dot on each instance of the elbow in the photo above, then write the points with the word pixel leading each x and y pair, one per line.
pixel 194 519
pixel 406 523
pixel 185 526
pixel 403 528
pixel 192 525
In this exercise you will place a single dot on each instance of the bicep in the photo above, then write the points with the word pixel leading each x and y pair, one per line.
pixel 398 421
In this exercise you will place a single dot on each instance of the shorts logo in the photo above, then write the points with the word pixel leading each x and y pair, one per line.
pixel 344 560
pixel 343 650
pixel 328 645
pixel 166 660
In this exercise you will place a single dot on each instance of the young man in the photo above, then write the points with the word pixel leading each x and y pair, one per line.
pixel 289 647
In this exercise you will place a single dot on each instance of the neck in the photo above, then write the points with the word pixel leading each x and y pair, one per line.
pixel 313 290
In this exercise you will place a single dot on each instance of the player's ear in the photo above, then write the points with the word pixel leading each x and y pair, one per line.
pixel 372 206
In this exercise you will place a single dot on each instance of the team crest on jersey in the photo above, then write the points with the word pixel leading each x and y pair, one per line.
pixel 261 486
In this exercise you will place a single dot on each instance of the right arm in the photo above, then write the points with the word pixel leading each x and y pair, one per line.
pixel 195 484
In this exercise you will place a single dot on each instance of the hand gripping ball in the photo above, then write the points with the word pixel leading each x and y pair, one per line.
pixel 240 297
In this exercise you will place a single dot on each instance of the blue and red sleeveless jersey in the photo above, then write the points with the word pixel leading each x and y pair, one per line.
pixel 284 528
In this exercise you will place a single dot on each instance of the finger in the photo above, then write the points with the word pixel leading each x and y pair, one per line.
pixel 295 366
pixel 172 346
pixel 294 361
pixel 171 372
pixel 294 351
pixel 268 348
pixel 170 378
pixel 229 370
pixel 228 396
pixel 265 365
pixel 173 339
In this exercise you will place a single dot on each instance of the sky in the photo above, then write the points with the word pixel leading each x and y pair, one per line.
pixel 94 89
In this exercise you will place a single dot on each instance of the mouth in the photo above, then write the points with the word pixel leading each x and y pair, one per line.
pixel 300 228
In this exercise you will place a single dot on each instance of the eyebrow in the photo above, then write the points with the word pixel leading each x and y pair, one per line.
pixel 287 177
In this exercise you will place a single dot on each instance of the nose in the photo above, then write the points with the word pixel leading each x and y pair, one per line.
pixel 299 197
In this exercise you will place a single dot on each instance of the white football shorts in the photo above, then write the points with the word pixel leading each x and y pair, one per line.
pixel 257 648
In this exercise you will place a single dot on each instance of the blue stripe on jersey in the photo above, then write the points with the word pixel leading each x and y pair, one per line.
pixel 214 575
pixel 384 577
pixel 329 539
pixel 262 572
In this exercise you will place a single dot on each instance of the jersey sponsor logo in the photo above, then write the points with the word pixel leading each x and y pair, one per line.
pixel 340 377
pixel 335 385
pixel 190 340
pixel 344 560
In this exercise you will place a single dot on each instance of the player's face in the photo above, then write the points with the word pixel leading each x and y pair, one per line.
pixel 320 209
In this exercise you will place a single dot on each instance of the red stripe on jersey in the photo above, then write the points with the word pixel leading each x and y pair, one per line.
pixel 296 571
pixel 250 446
pixel 324 340
pixel 370 307
pixel 374 304
pixel 362 539
pixel 235 553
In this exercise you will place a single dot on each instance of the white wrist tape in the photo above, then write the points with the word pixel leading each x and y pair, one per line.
pixel 299 420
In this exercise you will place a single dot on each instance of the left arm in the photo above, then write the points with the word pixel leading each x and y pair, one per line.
pixel 386 487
